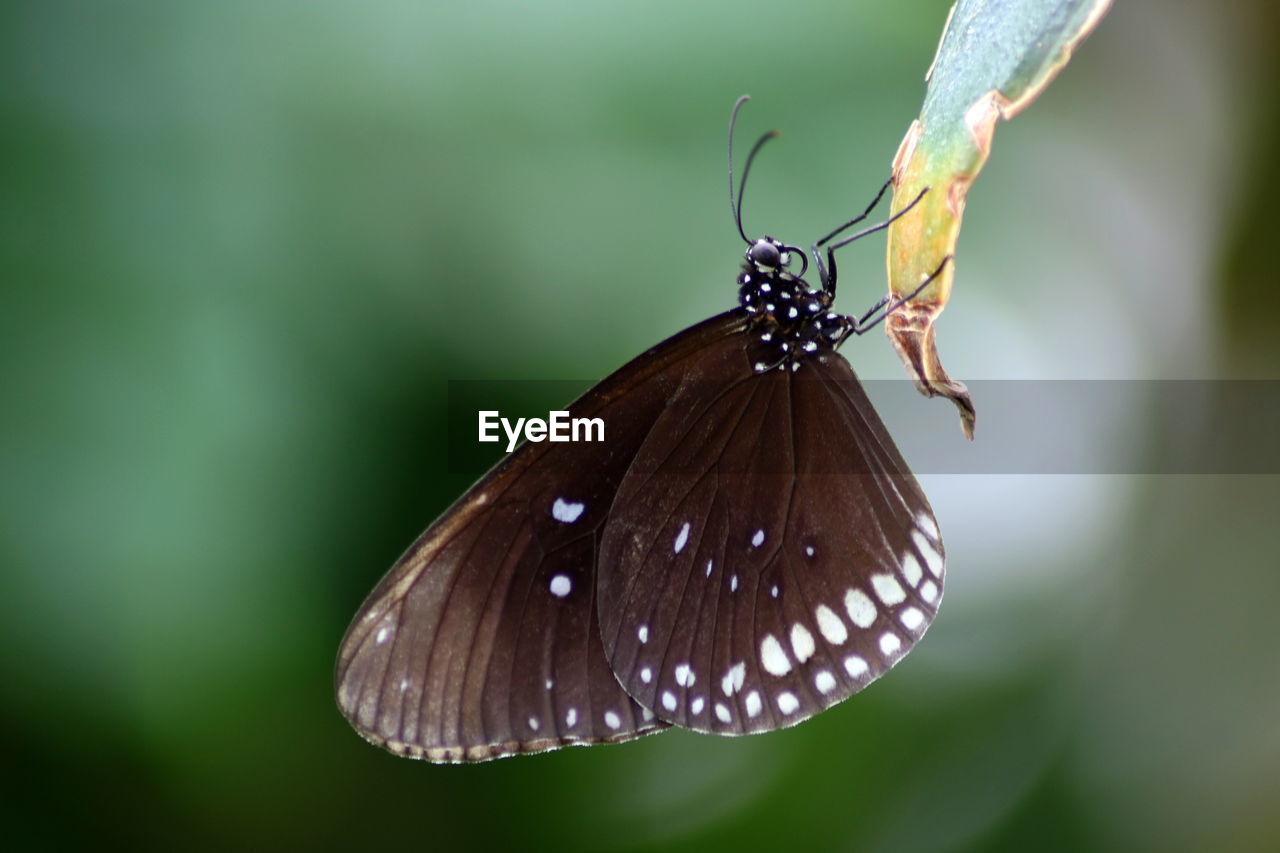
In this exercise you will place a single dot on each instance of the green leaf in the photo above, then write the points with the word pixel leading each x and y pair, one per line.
pixel 995 58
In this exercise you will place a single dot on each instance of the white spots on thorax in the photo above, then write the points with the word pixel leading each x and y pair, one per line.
pixel 861 609
pixel 733 584
pixel 668 700
pixel 932 559
pixel 757 538
pixel 566 512
pixel 889 643
pixel 612 720
pixel 928 525
pixel 787 702
pixel 855 666
pixel 382 635
pixel 695 707
pixel 772 657
pixel 754 705
pixel 912 618
pixel 733 678
pixel 888 589
pixel 685 675
pixel 832 628
pixel 801 642
pixel 824 681
pixel 561 585
pixel 722 713
pixel 646 675
pixel 642 633
pixel 929 591
pixel 681 538
pixel 571 718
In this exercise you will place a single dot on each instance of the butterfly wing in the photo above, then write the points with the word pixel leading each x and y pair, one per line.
pixel 482 640
pixel 769 553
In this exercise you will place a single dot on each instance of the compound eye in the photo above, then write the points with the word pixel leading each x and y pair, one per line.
pixel 765 254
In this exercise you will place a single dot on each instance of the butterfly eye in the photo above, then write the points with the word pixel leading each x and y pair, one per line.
pixel 765 254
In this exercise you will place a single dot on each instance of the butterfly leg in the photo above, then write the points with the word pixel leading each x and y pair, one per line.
pixel 860 325
pixel 827 274
pixel 822 271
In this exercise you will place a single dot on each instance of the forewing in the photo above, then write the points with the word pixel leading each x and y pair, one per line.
pixel 769 553
pixel 482 640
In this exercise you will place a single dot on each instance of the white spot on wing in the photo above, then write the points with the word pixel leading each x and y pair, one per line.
pixel 831 626
pixel 560 586
pixel 889 642
pixel 695 707
pixel 855 666
pixel 709 565
pixel 929 591
pixel 733 584
pixel 824 681
pixel 668 700
pixel 787 702
pixel 571 717
pixel 772 657
pixel 722 713
pixel 383 633
pixel 932 559
pixel 928 525
pixel 753 704
pixel 682 537
pixel 642 633
pixel 733 678
pixel 912 618
pixel 911 569
pixel 646 675
pixel 808 550
pixel 801 642
pixel 685 675
pixel 566 512
pixel 758 539
pixel 862 610
pixel 612 720
pixel 533 723
pixel 888 589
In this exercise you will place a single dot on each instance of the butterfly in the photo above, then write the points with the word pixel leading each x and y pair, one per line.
pixel 745 549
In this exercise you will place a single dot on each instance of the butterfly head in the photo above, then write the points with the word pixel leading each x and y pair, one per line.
pixel 771 257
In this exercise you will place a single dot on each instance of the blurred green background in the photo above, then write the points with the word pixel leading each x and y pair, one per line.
pixel 245 246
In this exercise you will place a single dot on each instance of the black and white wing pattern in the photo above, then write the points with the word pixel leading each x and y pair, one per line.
pixel 483 640
pixel 768 553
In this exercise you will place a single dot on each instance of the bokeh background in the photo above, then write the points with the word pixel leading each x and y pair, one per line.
pixel 245 245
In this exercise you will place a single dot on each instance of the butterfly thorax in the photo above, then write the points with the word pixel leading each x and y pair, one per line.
pixel 790 318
